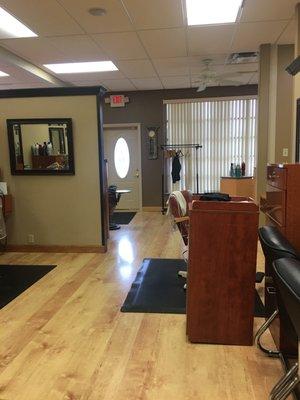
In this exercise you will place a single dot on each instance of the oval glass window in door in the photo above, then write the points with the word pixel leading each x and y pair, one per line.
pixel 121 158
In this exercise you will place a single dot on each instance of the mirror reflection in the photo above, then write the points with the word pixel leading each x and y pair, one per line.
pixel 41 147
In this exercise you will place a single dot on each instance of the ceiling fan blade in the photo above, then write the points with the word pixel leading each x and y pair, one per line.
pixel 229 82
pixel 201 87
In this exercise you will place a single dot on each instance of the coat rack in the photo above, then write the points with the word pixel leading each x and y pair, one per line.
pixel 173 147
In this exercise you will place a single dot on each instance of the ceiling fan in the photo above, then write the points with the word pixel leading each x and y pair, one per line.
pixel 209 77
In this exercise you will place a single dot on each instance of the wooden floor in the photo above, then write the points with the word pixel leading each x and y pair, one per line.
pixel 65 339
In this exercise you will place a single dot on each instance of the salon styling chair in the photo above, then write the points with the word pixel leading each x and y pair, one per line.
pixel 287 280
pixel 274 246
pixel 181 218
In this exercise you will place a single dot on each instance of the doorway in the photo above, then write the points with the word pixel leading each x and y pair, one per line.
pixel 122 150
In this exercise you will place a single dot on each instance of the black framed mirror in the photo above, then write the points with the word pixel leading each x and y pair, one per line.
pixel 42 146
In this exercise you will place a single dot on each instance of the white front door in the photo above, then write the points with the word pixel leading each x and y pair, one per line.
pixel 122 150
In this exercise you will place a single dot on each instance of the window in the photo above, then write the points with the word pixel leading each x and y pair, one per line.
pixel 121 158
pixel 225 128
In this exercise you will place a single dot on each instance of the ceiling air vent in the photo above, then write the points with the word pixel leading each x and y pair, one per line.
pixel 242 58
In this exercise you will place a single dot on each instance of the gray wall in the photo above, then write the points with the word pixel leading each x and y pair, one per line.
pixel 146 107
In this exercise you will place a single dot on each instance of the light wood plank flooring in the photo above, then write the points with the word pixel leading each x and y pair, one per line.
pixel 65 339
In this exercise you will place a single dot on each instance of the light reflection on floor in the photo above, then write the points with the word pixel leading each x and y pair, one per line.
pixel 126 257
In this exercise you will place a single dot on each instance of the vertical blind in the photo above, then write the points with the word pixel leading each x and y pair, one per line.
pixel 225 128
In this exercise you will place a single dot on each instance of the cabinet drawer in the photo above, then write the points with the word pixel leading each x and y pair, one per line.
pixel 275 204
pixel 276 176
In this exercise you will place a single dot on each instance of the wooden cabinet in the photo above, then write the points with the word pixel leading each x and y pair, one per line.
pixel 221 275
pixel 244 186
pixel 281 208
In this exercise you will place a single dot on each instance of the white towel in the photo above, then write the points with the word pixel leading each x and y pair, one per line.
pixel 181 202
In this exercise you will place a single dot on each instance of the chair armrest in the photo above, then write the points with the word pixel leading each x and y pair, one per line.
pixel 181 219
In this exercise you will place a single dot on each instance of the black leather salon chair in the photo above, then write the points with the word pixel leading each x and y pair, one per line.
pixel 287 280
pixel 274 246
pixel 113 200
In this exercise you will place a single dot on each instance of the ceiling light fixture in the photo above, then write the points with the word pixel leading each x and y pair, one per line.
pixel 212 12
pixel 3 74
pixel 97 12
pixel 80 67
pixel 10 27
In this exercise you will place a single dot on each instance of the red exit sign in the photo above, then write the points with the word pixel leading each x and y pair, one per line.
pixel 117 100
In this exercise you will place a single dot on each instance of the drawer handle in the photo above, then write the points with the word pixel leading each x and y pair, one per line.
pixel 271 290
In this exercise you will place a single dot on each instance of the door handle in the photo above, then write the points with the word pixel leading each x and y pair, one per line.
pixel 137 173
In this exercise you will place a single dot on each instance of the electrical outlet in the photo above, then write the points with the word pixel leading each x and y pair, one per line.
pixel 30 238
pixel 285 152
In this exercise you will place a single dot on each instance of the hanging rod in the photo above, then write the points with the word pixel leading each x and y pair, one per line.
pixel 187 145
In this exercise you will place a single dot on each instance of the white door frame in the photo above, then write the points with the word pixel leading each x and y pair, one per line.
pixel 137 126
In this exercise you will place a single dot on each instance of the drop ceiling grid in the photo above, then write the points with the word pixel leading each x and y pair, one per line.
pixel 152 39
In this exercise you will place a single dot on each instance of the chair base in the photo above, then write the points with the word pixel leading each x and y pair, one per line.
pixel 285 385
pixel 183 274
pixel 113 226
pixel 261 331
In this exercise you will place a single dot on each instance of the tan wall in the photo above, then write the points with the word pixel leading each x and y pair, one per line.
pixel 58 210
pixel 263 117
pixel 284 108
pixel 275 121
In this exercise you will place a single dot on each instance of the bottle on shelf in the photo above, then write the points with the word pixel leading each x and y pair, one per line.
pixel 231 173
pixel 49 149
pixel 238 171
pixel 243 168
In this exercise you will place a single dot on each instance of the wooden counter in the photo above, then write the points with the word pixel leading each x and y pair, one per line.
pixel 221 274
pixel 243 186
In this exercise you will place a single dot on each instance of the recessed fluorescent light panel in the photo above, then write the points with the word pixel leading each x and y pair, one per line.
pixel 10 27
pixel 80 67
pixel 212 12
pixel 3 74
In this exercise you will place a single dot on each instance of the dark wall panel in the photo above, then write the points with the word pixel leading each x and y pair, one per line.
pixel 146 107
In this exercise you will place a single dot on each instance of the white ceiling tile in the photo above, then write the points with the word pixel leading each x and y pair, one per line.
pixel 210 39
pixel 46 17
pixel 17 74
pixel 147 83
pixel 115 19
pixel 121 46
pixel 38 50
pixel 137 68
pixel 178 66
pixel 268 10
pixel 26 85
pixel 154 14
pixel 288 36
pixel 164 42
pixel 176 82
pixel 90 77
pixel 78 48
pixel 249 36
pixel 118 84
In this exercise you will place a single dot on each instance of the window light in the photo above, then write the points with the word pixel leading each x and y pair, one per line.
pixel 3 74
pixel 79 67
pixel 211 12
pixel 10 27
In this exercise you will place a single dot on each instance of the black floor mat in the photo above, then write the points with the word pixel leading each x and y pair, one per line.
pixel 158 289
pixel 122 218
pixel 15 279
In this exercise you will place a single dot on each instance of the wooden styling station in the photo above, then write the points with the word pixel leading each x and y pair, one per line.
pixel 281 208
pixel 221 271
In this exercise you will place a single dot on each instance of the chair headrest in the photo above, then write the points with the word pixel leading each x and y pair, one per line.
pixel 273 239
